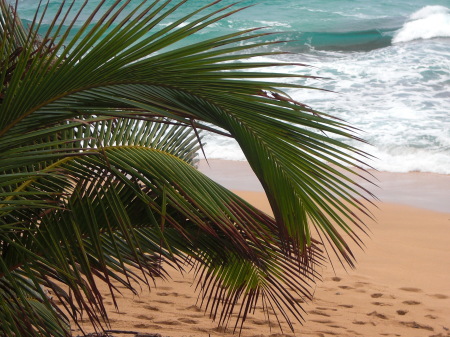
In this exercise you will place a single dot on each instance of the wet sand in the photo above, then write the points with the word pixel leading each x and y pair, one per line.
pixel 422 190
pixel 401 286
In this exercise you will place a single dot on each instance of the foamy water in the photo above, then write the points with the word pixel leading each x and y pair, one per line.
pixel 427 23
pixel 397 95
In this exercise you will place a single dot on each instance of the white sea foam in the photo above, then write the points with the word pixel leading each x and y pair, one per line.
pixel 397 96
pixel 427 23
pixel 358 15
pixel 407 159
pixel 274 24
pixel 427 11
pixel 392 159
pixel 394 95
pixel 221 147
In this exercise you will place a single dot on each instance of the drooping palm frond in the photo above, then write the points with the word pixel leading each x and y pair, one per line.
pixel 99 127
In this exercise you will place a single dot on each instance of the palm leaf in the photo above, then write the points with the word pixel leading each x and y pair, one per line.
pixel 98 138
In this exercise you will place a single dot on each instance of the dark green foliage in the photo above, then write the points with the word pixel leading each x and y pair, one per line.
pixel 98 135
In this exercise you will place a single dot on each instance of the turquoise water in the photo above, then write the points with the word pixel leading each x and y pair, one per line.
pixel 388 63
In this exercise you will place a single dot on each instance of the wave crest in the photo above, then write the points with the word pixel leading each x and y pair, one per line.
pixel 427 23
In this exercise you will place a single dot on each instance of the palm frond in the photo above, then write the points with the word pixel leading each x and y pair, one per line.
pixel 99 130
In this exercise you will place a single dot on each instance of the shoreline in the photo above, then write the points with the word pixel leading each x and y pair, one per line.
pixel 421 190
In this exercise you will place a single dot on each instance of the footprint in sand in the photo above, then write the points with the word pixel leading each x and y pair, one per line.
pixel 168 294
pixel 321 321
pixel 194 308
pixel 361 284
pixel 317 312
pixel 381 304
pixel 204 330
pixel 323 308
pixel 327 332
pixel 334 326
pixel 416 325
pixel 147 318
pixel 431 316
pixel 346 287
pixel 167 322
pixel 410 289
pixel 359 322
pixel 187 320
pixel 148 326
pixel 411 302
pixel 163 302
pixel 439 296
pixel 346 305
pixel 172 295
pixel 376 295
pixel 377 314
pixel 402 312
pixel 336 279
pixel 151 308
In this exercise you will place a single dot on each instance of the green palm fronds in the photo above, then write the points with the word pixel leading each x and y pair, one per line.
pixel 99 130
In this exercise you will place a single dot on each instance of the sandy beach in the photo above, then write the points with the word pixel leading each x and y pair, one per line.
pixel 401 286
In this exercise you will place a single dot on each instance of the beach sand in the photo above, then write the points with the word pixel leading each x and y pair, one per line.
pixel 400 287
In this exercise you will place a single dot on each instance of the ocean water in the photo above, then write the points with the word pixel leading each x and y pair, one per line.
pixel 386 62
